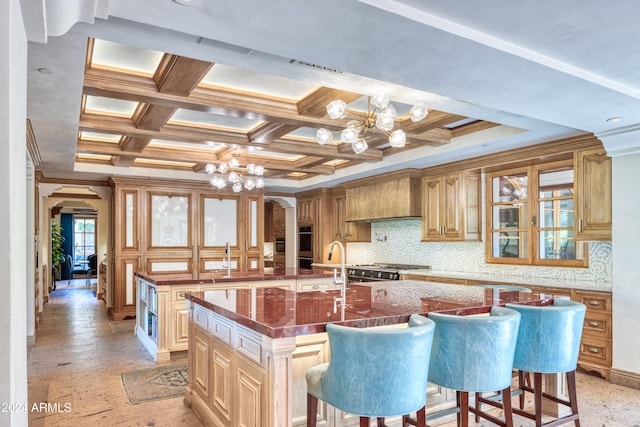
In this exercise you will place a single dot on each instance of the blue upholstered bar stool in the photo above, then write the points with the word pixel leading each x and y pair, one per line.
pixel 549 343
pixel 373 372
pixel 475 354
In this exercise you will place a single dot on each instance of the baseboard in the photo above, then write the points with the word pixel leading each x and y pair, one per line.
pixel 625 378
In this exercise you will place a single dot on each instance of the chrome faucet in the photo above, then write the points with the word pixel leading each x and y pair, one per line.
pixel 228 252
pixel 342 281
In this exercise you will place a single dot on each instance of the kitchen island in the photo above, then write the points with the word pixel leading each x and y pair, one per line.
pixel 162 317
pixel 249 349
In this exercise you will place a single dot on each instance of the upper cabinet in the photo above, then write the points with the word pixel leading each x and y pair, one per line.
pixel 347 231
pixel 388 196
pixel 451 207
pixel 593 194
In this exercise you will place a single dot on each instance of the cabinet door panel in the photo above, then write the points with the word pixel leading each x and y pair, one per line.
pixel 179 327
pixel 219 222
pixel 431 209
pixel 593 184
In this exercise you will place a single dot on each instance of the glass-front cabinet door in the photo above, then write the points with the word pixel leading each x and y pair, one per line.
pixel 531 216
pixel 169 230
pixel 220 244
pixel 509 215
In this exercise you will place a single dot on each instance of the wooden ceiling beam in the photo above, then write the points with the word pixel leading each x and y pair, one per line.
pixel 152 117
pixel 315 104
pixel 178 75
pixel 472 127
pixel 269 131
pixel 136 145
pixel 178 154
pixel 173 132
pixel 435 119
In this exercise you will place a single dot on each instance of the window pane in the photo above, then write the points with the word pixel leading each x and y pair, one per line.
pixel 510 244
pixel 558 245
pixel 509 188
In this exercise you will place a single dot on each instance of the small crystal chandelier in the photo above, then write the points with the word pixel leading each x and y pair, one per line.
pixel 380 114
pixel 249 177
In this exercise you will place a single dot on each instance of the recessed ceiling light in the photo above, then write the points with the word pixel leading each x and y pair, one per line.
pixel 45 70
pixel 615 119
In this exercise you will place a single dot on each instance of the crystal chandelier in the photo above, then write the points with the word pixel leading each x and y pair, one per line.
pixel 248 177
pixel 380 114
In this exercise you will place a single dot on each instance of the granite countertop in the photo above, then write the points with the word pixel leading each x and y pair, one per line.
pixel 279 273
pixel 501 278
pixel 277 313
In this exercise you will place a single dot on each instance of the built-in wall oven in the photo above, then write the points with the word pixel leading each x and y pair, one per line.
pixel 280 246
pixel 379 272
pixel 305 246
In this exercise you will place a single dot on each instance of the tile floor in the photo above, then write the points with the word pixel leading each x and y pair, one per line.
pixel 77 360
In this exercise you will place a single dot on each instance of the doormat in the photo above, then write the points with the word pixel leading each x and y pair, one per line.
pixel 120 326
pixel 146 385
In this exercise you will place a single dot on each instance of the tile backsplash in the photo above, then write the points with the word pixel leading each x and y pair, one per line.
pixel 398 241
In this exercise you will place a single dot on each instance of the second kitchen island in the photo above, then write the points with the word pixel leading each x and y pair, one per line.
pixel 249 349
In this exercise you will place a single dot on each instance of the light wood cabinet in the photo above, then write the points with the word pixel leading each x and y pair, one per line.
pixel 595 347
pixel 593 187
pixel 347 231
pixel 394 195
pixel 451 207
pixel 315 209
pixel 306 210
pixel 179 230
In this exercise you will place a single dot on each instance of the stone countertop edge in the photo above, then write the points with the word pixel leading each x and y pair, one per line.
pixel 289 274
pixel 584 285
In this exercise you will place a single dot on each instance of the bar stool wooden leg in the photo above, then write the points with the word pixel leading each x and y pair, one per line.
pixel 364 421
pixel 312 410
pixel 537 397
pixel 573 397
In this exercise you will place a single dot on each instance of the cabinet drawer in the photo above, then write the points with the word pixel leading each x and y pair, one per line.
pixel 249 345
pixel 597 325
pixel 202 318
pixel 595 351
pixel 178 294
pixel 222 329
pixel 594 301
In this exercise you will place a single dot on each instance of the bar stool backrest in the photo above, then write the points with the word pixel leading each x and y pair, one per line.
pixel 549 336
pixel 474 353
pixel 378 372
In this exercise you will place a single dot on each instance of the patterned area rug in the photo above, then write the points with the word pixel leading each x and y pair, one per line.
pixel 120 326
pixel 164 382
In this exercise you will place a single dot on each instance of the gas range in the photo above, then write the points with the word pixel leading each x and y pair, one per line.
pixel 379 271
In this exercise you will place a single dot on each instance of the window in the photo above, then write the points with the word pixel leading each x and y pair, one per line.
pixel 530 216
pixel 84 238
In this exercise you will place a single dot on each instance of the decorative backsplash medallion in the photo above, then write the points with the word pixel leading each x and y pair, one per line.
pixel 398 241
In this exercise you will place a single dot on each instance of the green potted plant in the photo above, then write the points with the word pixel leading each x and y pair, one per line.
pixel 58 257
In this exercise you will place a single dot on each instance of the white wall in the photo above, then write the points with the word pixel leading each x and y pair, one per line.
pixel 13 306
pixel 626 263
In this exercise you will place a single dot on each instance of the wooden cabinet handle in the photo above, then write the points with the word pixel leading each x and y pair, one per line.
pixel 181 294
pixel 594 302
pixel 594 350
pixel 594 324
pixel 580 225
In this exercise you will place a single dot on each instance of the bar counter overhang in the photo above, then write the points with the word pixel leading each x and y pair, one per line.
pixel 279 313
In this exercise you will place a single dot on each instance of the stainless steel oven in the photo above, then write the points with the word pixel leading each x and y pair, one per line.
pixel 305 241
pixel 279 246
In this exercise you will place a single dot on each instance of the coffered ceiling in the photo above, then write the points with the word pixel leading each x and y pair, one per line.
pixel 157 110
pixel 160 88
